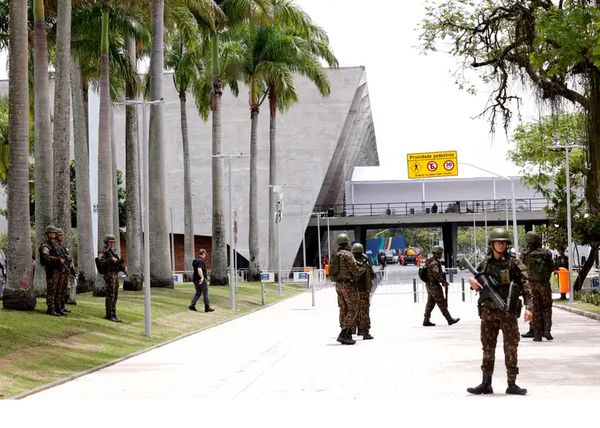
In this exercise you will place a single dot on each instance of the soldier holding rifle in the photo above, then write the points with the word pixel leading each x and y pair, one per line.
pixel 501 279
pixel 110 265
pixel 435 294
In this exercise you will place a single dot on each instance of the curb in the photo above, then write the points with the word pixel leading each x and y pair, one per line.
pixel 135 354
pixel 578 312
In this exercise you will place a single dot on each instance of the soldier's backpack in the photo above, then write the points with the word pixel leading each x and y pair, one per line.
pixel 100 266
pixel 334 268
pixel 423 273
pixel 539 269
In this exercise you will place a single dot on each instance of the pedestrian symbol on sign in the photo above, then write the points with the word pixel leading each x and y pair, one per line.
pixel 448 165
pixel 432 166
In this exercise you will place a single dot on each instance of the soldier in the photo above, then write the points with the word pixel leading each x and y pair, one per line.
pixel 344 272
pixel 506 270
pixel 365 284
pixel 111 265
pixel 540 264
pixel 63 276
pixel 52 262
pixel 435 294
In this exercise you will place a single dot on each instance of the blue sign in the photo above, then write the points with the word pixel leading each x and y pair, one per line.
pixel 264 276
pixel 303 275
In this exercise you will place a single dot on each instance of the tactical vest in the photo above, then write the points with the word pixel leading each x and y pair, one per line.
pixel 539 263
pixel 502 270
pixel 339 269
pixel 52 251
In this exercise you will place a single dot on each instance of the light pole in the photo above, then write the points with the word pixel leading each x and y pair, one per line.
pixel 229 156
pixel 514 208
pixel 172 244
pixel 566 148
pixel 303 240
pixel 146 211
pixel 328 242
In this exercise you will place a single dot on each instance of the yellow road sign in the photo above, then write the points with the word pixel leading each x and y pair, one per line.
pixel 432 164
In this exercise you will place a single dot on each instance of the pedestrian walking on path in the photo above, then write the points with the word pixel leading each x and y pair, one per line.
pixel 200 283
pixel 364 285
pixel 435 293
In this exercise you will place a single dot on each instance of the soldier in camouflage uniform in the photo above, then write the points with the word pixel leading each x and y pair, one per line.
pixel 435 293
pixel 111 264
pixel 540 264
pixel 364 285
pixel 512 277
pixel 53 263
pixel 63 282
pixel 345 272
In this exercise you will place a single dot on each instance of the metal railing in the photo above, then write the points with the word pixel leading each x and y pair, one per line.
pixel 478 206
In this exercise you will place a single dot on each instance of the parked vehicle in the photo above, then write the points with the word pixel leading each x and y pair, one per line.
pixel 410 256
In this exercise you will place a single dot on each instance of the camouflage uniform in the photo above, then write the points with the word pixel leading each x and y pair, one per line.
pixel 540 288
pixel 365 284
pixel 435 293
pixel 111 269
pixel 53 263
pixel 507 269
pixel 64 273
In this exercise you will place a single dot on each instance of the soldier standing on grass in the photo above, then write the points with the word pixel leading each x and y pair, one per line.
pixel 435 294
pixel 365 284
pixel 111 265
pixel 63 282
pixel 540 265
pixel 345 271
pixel 53 263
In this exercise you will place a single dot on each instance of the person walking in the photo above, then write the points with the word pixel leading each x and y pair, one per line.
pixel 435 293
pixel 200 283
pixel 540 265
pixel 345 271
pixel 512 278
pixel 110 266
pixel 364 285
pixel 52 262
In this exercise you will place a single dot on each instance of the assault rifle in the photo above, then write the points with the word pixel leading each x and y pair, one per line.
pixel 488 282
pixel 109 253
pixel 68 261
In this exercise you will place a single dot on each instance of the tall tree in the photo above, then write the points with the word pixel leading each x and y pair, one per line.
pixel 62 119
pixel 160 267
pixel 44 194
pixel 19 292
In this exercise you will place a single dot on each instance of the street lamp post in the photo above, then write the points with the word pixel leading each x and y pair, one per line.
pixel 232 278
pixel 172 243
pixel 514 208
pixel 328 242
pixel 303 240
pixel 319 240
pixel 146 212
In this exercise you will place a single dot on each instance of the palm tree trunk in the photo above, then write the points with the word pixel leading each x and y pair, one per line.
pixel 62 120
pixel 273 253
pixel 115 184
pixel 105 185
pixel 85 249
pixel 19 292
pixel 218 273
pixel 188 217
pixel 132 182
pixel 253 232
pixel 160 266
pixel 43 139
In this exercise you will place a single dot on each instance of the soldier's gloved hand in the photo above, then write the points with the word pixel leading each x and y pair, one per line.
pixel 528 315
pixel 474 284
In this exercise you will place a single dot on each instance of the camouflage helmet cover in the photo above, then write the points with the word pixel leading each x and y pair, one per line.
pixel 358 248
pixel 50 229
pixel 532 238
pixel 59 231
pixel 437 249
pixel 499 234
pixel 109 237
pixel 343 238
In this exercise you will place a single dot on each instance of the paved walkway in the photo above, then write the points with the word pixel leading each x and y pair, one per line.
pixel 289 350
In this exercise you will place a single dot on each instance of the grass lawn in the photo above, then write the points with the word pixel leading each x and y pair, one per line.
pixel 588 307
pixel 36 349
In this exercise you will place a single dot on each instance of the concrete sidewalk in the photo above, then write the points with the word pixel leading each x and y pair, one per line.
pixel 289 350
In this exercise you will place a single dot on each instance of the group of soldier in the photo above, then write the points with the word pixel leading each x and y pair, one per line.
pixel 527 277
pixel 58 264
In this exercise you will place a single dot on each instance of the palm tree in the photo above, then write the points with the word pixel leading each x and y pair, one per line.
pixel 19 292
pixel 184 56
pixel 44 200
pixel 62 119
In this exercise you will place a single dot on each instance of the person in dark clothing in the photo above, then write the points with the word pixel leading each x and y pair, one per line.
pixel 434 208
pixel 200 282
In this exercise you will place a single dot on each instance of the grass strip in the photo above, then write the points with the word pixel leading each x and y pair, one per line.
pixel 37 349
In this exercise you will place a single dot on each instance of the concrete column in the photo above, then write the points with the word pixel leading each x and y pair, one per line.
pixel 360 235
pixel 450 236
pixel 528 227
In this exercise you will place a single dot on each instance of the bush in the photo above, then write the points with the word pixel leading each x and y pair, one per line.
pixel 592 298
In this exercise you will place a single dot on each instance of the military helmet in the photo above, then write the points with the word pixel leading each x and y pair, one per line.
pixel 59 231
pixel 499 234
pixel 50 229
pixel 343 238
pixel 358 248
pixel 532 238
pixel 437 249
pixel 109 237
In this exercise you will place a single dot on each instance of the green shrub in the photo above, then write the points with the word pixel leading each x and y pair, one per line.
pixel 593 298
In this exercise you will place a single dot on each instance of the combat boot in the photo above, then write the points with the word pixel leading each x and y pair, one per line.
pixel 192 308
pixel 349 339
pixel 427 323
pixel 59 311
pixel 485 387
pixel 208 309
pixel 547 335
pixel 52 312
pixel 514 389
pixel 344 338
pixel 453 321
pixel 366 335
pixel 530 333
pixel 537 337
pixel 114 318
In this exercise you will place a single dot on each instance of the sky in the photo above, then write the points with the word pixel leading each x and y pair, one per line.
pixel 416 105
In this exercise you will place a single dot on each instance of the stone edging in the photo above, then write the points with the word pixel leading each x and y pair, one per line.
pixel 135 354
pixel 578 311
